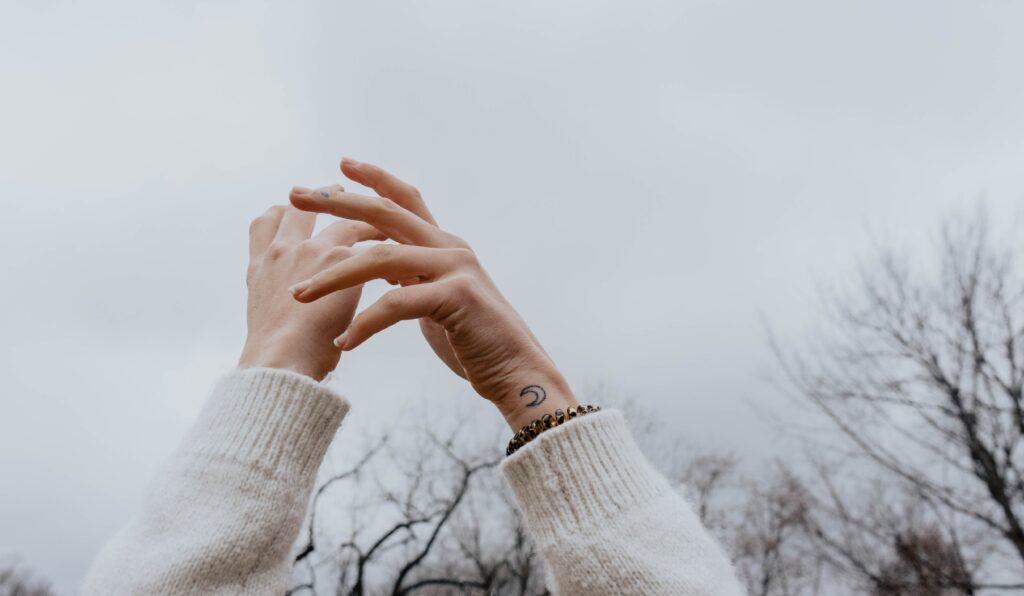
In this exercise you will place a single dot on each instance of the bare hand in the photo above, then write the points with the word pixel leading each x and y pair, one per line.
pixel 283 333
pixel 473 328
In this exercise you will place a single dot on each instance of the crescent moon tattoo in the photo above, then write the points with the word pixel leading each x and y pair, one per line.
pixel 538 393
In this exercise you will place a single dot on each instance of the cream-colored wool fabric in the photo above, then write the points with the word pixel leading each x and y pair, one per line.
pixel 606 521
pixel 222 514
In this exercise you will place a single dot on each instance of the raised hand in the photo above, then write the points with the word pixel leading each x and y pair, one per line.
pixel 472 327
pixel 281 332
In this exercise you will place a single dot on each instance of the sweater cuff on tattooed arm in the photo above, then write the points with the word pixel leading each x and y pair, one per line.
pixel 580 473
pixel 278 421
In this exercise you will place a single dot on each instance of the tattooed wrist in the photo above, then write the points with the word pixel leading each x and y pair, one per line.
pixel 534 399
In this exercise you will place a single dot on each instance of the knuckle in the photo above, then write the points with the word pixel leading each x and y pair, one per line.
pixel 464 256
pixel 388 206
pixel 383 253
pixel 464 287
pixel 391 301
pixel 458 242
pixel 338 253
pixel 358 232
pixel 412 190
pixel 277 250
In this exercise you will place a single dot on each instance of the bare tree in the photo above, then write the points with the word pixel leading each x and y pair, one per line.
pixel 770 540
pixel 704 478
pixel 17 581
pixel 427 515
pixel 877 538
pixel 921 373
pixel 924 563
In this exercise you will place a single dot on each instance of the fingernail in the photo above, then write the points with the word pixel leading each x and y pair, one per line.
pixel 339 342
pixel 300 190
pixel 350 161
pixel 300 287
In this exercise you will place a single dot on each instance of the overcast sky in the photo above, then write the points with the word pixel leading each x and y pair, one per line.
pixel 647 182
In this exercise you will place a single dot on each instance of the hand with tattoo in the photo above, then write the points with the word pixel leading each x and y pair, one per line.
pixel 466 320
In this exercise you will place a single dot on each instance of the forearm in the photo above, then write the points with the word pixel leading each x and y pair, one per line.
pixel 224 511
pixel 606 521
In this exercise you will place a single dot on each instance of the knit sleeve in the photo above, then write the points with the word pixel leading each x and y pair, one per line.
pixel 223 512
pixel 606 521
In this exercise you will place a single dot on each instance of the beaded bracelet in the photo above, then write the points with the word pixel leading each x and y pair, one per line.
pixel 535 428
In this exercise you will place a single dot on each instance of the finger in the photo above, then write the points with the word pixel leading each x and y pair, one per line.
pixel 263 229
pixel 404 282
pixel 384 261
pixel 403 304
pixel 387 185
pixel 389 217
pixel 347 233
pixel 296 225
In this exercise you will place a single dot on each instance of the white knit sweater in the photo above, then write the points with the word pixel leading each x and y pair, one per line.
pixel 223 513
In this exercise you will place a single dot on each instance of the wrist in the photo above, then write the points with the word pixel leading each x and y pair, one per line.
pixel 257 354
pixel 533 397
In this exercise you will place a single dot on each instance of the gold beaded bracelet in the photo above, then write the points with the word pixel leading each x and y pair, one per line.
pixel 535 428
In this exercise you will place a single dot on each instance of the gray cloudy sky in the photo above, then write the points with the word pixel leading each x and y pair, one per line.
pixel 645 180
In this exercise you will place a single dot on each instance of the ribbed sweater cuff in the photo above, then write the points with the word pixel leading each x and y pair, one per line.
pixel 277 421
pixel 580 473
